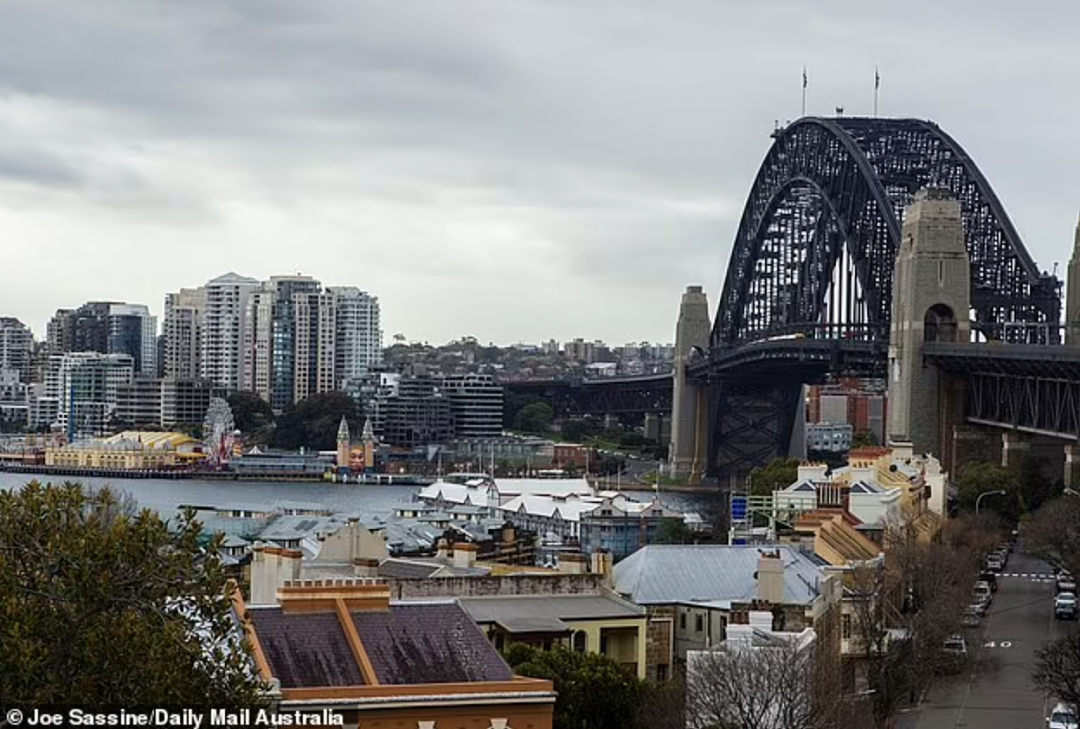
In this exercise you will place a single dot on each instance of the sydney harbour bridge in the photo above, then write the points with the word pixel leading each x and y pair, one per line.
pixel 808 293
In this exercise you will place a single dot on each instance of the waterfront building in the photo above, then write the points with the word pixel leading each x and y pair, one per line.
pixel 85 385
pixel 476 405
pixel 410 410
pixel 184 402
pixel 138 404
pixel 314 342
pixel 223 327
pixel 16 348
pixel 185 311
pixel 358 338
pixel 164 402
pixel 129 450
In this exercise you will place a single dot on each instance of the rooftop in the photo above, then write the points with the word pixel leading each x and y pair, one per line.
pixel 685 573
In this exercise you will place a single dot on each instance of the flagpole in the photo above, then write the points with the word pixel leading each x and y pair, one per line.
pixel 877 85
pixel 804 90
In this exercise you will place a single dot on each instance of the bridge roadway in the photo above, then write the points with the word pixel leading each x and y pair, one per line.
pixel 997 692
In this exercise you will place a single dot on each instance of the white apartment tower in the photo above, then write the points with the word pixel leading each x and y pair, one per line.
pixel 182 332
pixel 223 330
pixel 359 346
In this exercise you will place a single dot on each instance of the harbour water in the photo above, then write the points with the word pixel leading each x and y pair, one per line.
pixel 165 496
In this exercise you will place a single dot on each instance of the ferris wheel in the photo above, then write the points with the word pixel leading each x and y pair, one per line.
pixel 219 433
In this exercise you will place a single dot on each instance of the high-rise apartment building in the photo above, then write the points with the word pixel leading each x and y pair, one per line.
pixel 16 348
pixel 284 339
pixel 222 336
pixel 182 333
pixel 107 327
pixel 358 346
pixel 86 385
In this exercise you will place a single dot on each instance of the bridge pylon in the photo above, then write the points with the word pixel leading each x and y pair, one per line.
pixel 689 408
pixel 931 302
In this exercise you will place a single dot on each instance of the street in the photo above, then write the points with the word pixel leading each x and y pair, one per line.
pixel 997 693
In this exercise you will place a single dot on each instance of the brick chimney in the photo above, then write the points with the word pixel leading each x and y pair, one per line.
pixel 316 596
pixel 365 567
pixel 464 555
pixel 271 566
pixel 442 550
pixel 770 578
pixel 573 563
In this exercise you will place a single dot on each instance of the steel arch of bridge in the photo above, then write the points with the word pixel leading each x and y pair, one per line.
pixel 836 188
pixel 814 255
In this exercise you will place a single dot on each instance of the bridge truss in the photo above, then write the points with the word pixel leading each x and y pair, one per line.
pixel 813 258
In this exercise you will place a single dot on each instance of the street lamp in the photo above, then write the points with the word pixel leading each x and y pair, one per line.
pixel 999 492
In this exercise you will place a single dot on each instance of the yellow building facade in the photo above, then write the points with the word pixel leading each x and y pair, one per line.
pixel 130 450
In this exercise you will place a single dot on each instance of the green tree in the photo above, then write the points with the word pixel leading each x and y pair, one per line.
pixel 314 422
pixel 864 438
pixel 593 690
pixel 534 418
pixel 101 606
pixel 581 429
pixel 980 477
pixel 250 412
pixel 777 474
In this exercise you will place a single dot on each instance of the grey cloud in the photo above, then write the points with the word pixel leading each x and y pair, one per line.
pixel 478 141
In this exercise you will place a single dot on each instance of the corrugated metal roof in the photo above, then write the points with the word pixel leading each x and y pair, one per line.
pixel 674 573
pixel 523 609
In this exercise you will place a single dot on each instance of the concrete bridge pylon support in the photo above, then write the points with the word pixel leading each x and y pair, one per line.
pixel 687 449
pixel 1072 296
pixel 931 302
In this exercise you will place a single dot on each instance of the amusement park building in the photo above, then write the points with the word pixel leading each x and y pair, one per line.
pixel 130 450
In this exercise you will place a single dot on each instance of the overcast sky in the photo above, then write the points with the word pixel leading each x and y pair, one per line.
pixel 507 169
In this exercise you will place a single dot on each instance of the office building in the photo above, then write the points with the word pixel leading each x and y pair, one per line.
pixel 138 405
pixel 476 405
pixel 411 411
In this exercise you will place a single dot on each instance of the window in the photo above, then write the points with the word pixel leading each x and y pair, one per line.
pixel 661 672
pixel 699 624
pixel 682 621
pixel 845 627
pixel 580 641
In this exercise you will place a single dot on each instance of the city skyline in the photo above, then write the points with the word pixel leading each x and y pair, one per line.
pixel 539 170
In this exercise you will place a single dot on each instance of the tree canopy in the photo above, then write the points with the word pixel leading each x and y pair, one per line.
pixel 534 418
pixel 593 690
pixel 314 422
pixel 251 413
pixel 101 606
pixel 777 474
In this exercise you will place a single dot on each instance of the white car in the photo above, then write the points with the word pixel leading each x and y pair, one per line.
pixel 1063 717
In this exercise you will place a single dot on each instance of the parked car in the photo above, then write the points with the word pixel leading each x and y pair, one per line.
pixel 994 563
pixel 1063 717
pixel 972 616
pixel 983 593
pixel 954 649
pixel 1066 583
pixel 989 578
pixel 1065 606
